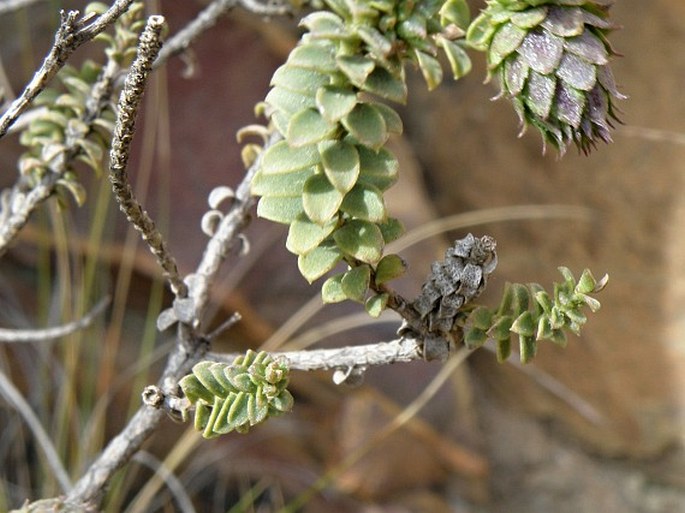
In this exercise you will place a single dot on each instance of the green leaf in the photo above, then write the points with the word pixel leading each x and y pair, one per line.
pixel 280 210
pixel 524 325
pixel 529 18
pixel 361 240
pixel 413 28
pixel 299 80
pixel 480 318
pixel 503 349
pixel 283 402
pixel 456 12
pixel 474 338
pixel 341 164
pixel 324 24
pixel 364 202
pixel 282 158
pixel 586 283
pixel 505 42
pixel 430 69
pixel 376 304
pixel 75 190
pixel 237 413
pixel 577 318
pixel 389 268
pixel 386 85
pixel 318 262
pixel 366 125
pixel 520 298
pixel 500 330
pixel 569 279
pixel 282 184
pixel 332 291
pixel 356 68
pixel 593 304
pixel 527 347
pixel 304 235
pixel 355 282
pixel 320 199
pixel 92 153
pixel 335 102
pixel 544 329
pixel 307 127
pixel 319 56
pixel 204 375
pixel 460 62
pixel 379 169
pixel 289 102
pixel 257 409
pixel 392 229
pixel 393 122
pixel 542 298
pixel 280 121
pixel 194 390
pixel 212 420
pixel 480 33
pixel 378 45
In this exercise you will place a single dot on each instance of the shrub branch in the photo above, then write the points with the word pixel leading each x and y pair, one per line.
pixel 129 101
pixel 72 33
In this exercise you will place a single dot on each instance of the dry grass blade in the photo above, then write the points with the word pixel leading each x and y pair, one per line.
pixel 172 482
pixel 183 448
pixel 13 396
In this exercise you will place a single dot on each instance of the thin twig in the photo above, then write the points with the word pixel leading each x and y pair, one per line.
pixel 19 335
pixel 190 348
pixel 205 20
pixel 401 350
pixel 225 237
pixel 268 8
pixel 13 396
pixel 72 33
pixel 16 204
pixel 129 101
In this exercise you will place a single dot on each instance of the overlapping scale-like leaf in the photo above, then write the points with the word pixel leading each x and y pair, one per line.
pixel 326 178
pixel 531 314
pixel 238 396
pixel 551 58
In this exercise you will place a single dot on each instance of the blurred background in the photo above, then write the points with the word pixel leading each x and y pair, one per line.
pixel 598 426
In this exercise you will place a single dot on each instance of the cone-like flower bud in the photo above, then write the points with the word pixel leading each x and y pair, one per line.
pixel 552 61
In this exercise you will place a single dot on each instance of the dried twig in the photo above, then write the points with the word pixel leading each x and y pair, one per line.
pixel 19 335
pixel 190 348
pixel 205 20
pixel 268 8
pixel 129 101
pixel 401 350
pixel 17 204
pixel 208 17
pixel 72 33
